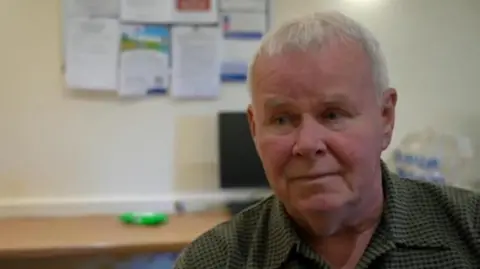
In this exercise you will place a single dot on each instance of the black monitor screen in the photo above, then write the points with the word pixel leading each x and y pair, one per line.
pixel 240 166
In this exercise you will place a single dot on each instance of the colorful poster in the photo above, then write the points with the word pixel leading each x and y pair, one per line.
pixel 145 60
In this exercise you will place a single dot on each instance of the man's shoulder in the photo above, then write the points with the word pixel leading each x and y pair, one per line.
pixel 457 203
pixel 232 238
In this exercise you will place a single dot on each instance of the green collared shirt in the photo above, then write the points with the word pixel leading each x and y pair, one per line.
pixel 423 226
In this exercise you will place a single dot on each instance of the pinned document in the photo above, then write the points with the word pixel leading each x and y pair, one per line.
pixel 244 5
pixel 244 22
pixel 244 25
pixel 146 11
pixel 144 62
pixel 87 9
pixel 196 55
pixel 91 8
pixel 92 48
pixel 242 33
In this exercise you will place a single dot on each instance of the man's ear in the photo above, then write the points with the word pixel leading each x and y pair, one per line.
pixel 389 102
pixel 251 120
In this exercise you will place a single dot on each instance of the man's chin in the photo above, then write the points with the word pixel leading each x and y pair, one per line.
pixel 323 203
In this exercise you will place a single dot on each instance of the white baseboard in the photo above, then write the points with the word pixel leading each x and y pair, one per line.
pixel 29 207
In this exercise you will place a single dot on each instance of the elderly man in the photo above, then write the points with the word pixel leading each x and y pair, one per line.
pixel 321 114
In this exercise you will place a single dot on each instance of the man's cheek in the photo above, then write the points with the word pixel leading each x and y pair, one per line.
pixel 275 153
pixel 344 149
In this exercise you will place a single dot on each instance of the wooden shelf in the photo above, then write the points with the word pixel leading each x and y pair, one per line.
pixel 52 237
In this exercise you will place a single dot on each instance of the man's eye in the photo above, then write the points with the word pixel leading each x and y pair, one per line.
pixel 332 115
pixel 281 120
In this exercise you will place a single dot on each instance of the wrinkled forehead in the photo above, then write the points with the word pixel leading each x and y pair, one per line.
pixel 312 71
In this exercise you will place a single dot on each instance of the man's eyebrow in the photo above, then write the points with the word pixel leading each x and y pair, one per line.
pixel 274 102
pixel 336 99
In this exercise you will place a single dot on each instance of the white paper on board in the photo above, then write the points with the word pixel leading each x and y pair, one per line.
pixel 92 48
pixel 243 5
pixel 146 11
pixel 196 57
pixel 244 24
pixel 91 8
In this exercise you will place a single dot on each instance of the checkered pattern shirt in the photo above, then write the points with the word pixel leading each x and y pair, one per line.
pixel 423 226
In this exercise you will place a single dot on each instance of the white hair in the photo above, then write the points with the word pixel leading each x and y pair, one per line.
pixel 319 28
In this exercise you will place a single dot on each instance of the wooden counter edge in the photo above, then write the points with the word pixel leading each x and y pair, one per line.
pixel 88 251
pixel 116 249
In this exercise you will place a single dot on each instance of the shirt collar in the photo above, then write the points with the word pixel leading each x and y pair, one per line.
pixel 403 217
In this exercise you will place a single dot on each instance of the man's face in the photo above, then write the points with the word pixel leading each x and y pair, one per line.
pixel 319 125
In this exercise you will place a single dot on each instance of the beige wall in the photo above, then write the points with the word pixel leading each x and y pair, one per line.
pixel 63 148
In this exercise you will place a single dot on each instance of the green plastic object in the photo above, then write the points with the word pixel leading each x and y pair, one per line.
pixel 146 219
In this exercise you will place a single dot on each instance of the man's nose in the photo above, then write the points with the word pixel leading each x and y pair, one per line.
pixel 310 140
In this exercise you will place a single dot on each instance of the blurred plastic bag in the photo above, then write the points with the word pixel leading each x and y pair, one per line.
pixel 433 156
